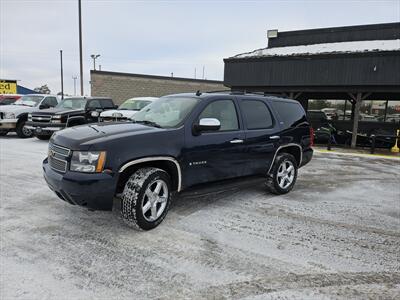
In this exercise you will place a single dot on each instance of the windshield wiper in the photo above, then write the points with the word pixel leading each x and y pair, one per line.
pixel 150 123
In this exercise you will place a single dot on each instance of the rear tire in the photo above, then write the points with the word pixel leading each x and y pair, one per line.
pixel 22 131
pixel 146 198
pixel 283 174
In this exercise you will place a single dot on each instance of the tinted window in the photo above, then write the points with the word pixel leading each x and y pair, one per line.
pixel 51 101
pixel 224 111
pixel 291 113
pixel 94 104
pixel 257 114
pixel 107 103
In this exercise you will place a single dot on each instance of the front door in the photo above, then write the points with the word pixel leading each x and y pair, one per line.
pixel 215 155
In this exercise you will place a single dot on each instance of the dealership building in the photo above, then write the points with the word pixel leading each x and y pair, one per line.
pixel 359 66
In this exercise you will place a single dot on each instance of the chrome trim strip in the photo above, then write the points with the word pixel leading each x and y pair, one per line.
pixel 54 146
pixel 285 146
pixel 154 158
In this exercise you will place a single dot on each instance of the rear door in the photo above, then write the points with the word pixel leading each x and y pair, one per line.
pixel 261 134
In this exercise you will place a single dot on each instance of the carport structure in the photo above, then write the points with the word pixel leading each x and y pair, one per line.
pixel 353 63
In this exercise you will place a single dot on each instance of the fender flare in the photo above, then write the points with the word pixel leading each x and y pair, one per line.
pixel 155 158
pixel 286 146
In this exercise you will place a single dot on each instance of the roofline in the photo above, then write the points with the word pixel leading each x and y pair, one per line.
pixel 155 77
pixel 340 28
pixel 308 55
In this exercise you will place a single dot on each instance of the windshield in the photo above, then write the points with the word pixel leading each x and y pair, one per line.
pixel 29 100
pixel 72 103
pixel 134 104
pixel 166 112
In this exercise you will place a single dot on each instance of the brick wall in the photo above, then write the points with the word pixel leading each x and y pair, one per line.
pixel 122 86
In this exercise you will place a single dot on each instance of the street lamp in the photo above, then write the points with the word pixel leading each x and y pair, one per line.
pixel 94 57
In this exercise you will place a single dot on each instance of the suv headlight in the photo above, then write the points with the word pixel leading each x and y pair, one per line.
pixel 88 161
pixel 9 115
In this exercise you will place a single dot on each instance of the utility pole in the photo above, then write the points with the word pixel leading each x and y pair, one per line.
pixel 80 47
pixel 74 78
pixel 62 76
pixel 94 57
pixel 203 72
pixel 195 71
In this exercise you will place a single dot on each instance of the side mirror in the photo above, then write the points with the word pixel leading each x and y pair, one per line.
pixel 95 114
pixel 116 106
pixel 207 124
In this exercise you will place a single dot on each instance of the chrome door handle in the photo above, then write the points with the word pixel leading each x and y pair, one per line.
pixel 236 141
pixel 274 137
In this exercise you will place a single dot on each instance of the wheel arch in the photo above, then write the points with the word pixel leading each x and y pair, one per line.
pixel 293 149
pixel 166 163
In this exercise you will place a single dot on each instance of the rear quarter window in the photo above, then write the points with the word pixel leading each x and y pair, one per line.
pixel 291 114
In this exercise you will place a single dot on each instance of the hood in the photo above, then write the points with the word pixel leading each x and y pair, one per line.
pixel 125 113
pixel 84 136
pixel 17 109
pixel 56 111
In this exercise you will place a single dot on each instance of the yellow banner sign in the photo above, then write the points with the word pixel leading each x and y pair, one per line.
pixel 8 86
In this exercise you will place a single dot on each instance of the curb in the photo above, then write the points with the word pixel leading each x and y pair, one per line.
pixel 367 155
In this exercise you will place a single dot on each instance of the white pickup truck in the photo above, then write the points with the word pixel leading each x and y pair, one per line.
pixel 127 109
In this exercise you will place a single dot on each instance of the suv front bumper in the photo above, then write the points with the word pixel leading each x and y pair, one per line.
pixel 94 191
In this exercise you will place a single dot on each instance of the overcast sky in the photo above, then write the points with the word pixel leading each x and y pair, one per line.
pixel 156 37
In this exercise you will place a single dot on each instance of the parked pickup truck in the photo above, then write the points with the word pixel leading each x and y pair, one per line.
pixel 126 110
pixel 70 112
pixel 176 142
pixel 13 117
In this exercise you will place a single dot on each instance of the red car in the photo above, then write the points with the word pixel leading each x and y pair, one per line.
pixel 7 99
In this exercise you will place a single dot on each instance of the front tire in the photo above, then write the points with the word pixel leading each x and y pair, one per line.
pixel 146 198
pixel 22 131
pixel 43 137
pixel 283 175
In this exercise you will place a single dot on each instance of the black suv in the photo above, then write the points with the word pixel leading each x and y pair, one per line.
pixel 69 112
pixel 176 142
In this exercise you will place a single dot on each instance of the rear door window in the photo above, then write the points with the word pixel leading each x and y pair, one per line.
pixel 256 114
pixel 291 114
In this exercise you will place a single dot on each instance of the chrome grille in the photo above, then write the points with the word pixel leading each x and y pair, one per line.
pixel 39 118
pixel 58 164
pixel 58 157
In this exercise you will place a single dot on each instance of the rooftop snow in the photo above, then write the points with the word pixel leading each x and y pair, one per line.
pixel 342 47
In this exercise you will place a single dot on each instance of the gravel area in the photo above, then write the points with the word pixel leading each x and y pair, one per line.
pixel 335 236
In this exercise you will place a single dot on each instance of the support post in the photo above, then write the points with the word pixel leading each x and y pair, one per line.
pixel 357 107
pixel 80 47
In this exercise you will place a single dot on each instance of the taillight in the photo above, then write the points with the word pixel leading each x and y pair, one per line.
pixel 311 136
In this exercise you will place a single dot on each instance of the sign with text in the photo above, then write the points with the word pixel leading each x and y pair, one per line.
pixel 8 86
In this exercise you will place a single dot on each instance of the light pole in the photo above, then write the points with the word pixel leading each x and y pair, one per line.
pixel 62 76
pixel 80 46
pixel 94 57
pixel 74 78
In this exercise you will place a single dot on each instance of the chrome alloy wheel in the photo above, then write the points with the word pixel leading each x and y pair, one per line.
pixel 286 173
pixel 155 200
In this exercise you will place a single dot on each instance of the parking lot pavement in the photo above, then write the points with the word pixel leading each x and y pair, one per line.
pixel 336 235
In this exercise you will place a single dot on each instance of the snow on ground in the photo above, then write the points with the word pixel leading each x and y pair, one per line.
pixel 335 236
pixel 313 49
